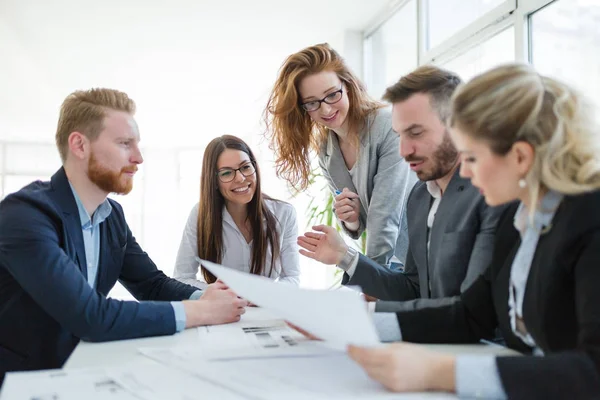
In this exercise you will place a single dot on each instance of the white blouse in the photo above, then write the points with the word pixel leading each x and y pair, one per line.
pixel 237 253
pixel 530 231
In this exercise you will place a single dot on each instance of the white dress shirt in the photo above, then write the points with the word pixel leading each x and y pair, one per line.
pixel 435 192
pixel 237 253
pixel 530 230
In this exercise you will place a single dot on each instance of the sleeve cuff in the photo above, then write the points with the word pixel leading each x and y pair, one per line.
pixel 477 377
pixel 179 311
pixel 350 266
pixel 196 295
pixel 371 307
pixel 387 327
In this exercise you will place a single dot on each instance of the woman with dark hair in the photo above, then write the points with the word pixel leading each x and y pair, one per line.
pixel 235 224
pixel 318 104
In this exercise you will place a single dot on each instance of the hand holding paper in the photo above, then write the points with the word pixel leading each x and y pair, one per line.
pixel 338 317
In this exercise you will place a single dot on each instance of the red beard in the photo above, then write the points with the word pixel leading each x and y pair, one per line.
pixel 110 181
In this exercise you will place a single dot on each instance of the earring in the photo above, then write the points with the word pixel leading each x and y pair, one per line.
pixel 522 183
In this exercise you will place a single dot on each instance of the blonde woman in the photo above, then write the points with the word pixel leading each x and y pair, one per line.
pixel 318 104
pixel 527 139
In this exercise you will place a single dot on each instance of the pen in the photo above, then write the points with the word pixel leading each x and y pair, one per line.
pixel 338 192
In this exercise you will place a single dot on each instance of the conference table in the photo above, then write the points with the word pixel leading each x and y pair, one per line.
pixel 127 351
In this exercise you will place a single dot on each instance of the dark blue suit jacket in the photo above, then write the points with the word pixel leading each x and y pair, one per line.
pixel 46 303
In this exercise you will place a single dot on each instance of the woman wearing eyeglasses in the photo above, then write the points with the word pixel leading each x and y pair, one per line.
pixel 318 104
pixel 235 224
pixel 533 141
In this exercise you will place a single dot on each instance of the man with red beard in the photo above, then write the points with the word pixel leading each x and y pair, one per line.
pixel 64 244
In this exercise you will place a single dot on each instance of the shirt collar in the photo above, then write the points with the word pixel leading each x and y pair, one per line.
pixel 101 213
pixel 542 216
pixel 433 189
pixel 228 218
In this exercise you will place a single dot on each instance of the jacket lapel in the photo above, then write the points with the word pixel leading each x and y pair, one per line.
pixel 452 195
pixel 338 171
pixel 102 255
pixel 362 172
pixel 63 198
pixel 419 237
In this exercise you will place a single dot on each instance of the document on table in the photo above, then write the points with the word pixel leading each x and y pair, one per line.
pixel 338 317
pixel 56 384
pixel 255 339
pixel 165 382
pixel 134 381
pixel 329 377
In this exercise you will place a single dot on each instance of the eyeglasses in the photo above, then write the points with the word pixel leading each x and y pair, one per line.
pixel 228 174
pixel 331 98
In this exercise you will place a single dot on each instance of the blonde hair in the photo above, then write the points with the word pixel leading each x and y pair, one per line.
pixel 291 131
pixel 514 103
pixel 84 111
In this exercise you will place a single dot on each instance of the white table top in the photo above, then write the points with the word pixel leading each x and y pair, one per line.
pixel 324 377
pixel 114 353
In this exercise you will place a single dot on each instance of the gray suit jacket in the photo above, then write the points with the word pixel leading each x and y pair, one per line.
pixel 383 181
pixel 462 239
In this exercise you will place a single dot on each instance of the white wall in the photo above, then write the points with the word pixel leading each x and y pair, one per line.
pixel 196 69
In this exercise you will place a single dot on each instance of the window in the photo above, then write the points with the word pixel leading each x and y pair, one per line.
pixel 32 159
pixel 447 17
pixel 391 50
pixel 565 40
pixel 497 50
pixel 190 167
pixel 23 163
pixel 13 183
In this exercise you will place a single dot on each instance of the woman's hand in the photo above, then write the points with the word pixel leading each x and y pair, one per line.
pixel 346 206
pixel 403 367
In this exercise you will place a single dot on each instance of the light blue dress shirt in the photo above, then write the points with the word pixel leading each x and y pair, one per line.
pixel 90 226
pixel 477 375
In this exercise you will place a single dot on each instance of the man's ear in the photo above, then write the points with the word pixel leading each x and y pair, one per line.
pixel 78 145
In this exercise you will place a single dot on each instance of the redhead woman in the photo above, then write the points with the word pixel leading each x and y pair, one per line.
pixel 318 104
pixel 234 223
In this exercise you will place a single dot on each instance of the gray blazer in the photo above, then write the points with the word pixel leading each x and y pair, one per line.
pixel 462 240
pixel 383 181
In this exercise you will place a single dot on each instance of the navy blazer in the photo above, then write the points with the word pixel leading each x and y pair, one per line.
pixel 46 303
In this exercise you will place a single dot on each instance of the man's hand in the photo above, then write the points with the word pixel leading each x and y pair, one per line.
pixel 218 305
pixel 369 299
pixel 403 367
pixel 327 247
pixel 346 206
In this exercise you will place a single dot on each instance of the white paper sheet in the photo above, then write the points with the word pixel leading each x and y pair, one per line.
pixel 332 377
pixel 241 382
pixel 134 381
pixel 255 339
pixel 314 378
pixel 162 382
pixel 338 317
pixel 56 384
